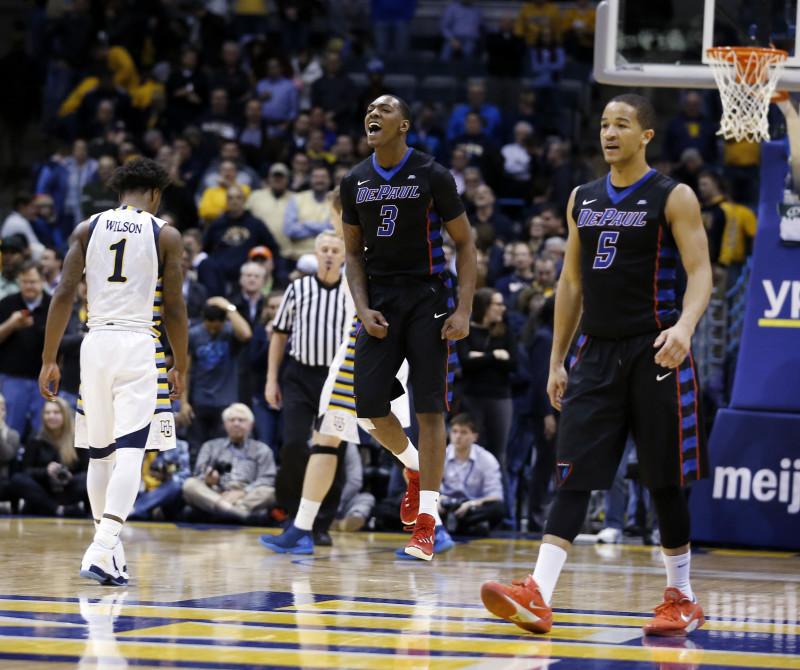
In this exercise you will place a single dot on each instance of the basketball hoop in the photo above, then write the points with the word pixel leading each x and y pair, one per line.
pixel 746 78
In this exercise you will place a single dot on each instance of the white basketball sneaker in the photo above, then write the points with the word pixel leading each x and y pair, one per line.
pixel 121 564
pixel 98 564
pixel 609 535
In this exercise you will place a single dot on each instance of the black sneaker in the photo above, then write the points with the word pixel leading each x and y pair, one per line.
pixel 322 538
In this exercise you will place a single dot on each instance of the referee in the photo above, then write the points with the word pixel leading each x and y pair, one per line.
pixel 312 320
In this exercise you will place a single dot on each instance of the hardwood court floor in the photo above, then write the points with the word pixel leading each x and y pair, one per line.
pixel 214 598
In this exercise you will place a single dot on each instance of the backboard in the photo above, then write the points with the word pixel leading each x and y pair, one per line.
pixel 664 43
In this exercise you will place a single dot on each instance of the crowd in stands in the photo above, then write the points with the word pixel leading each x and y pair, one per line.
pixel 255 109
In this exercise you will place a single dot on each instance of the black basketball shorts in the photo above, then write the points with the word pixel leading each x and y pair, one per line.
pixel 416 309
pixel 616 388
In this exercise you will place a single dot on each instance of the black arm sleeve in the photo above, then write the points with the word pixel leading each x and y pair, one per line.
pixel 445 196
pixel 346 193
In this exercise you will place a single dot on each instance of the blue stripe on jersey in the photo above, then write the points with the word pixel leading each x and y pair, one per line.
pixel 92 226
pixel 685 375
pixel 667 273
pixel 618 196
pixel 689 443
pixel 688 422
pixel 687 399
pixel 667 295
pixel 156 234
pixel 689 465
pixel 668 252
pixel 157 300
pixel 388 174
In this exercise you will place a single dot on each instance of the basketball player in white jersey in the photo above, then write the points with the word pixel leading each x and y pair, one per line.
pixel 132 262
pixel 337 423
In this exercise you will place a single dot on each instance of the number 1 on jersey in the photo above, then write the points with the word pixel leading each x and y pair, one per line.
pixel 606 249
pixel 119 254
pixel 388 218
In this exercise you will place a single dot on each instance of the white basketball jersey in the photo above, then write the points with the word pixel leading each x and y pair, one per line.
pixel 123 276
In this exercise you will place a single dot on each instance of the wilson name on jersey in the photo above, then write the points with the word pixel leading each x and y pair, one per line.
pixel 628 257
pixel 400 212
pixel 123 273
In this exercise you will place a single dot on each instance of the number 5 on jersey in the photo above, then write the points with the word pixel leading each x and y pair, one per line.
pixel 388 218
pixel 606 249
pixel 119 256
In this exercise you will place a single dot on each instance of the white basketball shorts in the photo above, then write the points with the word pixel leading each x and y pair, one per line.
pixel 124 396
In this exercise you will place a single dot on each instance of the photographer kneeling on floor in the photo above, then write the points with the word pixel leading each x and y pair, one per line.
pixel 234 476
pixel 471 497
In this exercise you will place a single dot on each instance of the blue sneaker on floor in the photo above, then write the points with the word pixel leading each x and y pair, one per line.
pixel 290 541
pixel 441 542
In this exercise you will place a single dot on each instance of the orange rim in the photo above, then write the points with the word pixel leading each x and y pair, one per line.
pixel 751 69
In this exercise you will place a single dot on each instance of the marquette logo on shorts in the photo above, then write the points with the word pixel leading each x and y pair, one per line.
pixel 784 304
pixel 764 485
pixel 385 192
pixel 610 217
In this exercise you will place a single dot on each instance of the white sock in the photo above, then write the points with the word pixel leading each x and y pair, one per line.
pixel 429 502
pixel 306 514
pixel 107 533
pixel 97 478
pixel 548 568
pixel 409 457
pixel 123 486
pixel 678 568
pixel 436 516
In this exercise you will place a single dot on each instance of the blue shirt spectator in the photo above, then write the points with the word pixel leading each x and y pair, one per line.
pixel 461 28
pixel 470 471
pixel 547 62
pixel 476 102
pixel 213 348
pixel 522 276
pixel 280 103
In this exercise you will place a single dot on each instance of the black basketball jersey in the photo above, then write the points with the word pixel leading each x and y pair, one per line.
pixel 400 212
pixel 628 257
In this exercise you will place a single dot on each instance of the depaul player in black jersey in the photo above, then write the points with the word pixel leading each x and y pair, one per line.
pixel 634 370
pixel 394 207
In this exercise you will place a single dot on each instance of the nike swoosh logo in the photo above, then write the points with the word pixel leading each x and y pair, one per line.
pixel 363 182
pixel 439 316
pixel 686 619
pixel 589 202
pixel 660 377
pixel 538 610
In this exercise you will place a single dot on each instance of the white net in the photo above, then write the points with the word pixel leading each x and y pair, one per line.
pixel 746 78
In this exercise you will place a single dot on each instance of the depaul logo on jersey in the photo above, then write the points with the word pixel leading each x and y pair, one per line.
pixel 784 304
pixel 386 192
pixel 610 217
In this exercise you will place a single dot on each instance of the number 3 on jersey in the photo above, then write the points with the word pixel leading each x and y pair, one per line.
pixel 388 218
pixel 606 249
pixel 119 256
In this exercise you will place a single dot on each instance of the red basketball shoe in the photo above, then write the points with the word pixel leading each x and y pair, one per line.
pixel 676 616
pixel 421 543
pixel 409 505
pixel 521 603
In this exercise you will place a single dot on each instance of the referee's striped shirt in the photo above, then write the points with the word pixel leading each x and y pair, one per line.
pixel 315 317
